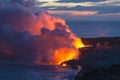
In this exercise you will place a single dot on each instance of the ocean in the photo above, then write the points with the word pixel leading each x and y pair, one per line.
pixel 90 29
pixel 42 72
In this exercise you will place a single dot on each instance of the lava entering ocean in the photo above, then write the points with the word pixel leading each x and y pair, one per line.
pixel 35 37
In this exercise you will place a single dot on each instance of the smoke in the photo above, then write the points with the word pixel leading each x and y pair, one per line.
pixel 33 38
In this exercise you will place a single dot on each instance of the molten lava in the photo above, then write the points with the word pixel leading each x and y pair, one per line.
pixel 78 42
pixel 65 54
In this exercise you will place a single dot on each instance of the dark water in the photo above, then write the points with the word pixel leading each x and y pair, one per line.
pixel 20 72
pixel 95 28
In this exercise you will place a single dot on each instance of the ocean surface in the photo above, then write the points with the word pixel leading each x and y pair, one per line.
pixel 22 72
pixel 95 28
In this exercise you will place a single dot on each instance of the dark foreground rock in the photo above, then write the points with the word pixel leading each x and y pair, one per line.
pixel 107 73
pixel 102 64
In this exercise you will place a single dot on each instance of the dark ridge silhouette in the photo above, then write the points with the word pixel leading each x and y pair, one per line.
pixel 102 41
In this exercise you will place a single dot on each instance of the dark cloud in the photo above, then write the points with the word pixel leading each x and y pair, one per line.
pixel 26 3
pixel 76 1
pixel 101 6
pixel 100 9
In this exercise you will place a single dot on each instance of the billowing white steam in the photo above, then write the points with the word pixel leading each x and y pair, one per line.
pixel 28 37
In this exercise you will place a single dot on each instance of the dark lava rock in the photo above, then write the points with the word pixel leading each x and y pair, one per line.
pixel 107 73
pixel 103 41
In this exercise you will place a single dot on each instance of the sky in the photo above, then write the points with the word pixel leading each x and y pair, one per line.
pixel 98 10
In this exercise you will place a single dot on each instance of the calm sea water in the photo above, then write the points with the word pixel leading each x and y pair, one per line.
pixel 20 72
pixel 95 28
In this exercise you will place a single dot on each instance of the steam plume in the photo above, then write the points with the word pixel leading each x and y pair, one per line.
pixel 34 38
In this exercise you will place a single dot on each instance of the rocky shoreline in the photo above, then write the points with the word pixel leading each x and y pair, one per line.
pixel 105 73
pixel 100 60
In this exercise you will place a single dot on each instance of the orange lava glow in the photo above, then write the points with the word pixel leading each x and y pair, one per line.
pixel 64 54
pixel 78 43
